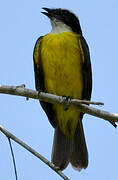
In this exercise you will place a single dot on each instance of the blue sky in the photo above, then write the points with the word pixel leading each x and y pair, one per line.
pixel 21 23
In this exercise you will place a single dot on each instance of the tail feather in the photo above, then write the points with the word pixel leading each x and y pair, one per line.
pixel 67 150
pixel 61 149
pixel 79 156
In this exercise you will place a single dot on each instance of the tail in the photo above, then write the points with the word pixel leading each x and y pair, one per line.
pixel 67 150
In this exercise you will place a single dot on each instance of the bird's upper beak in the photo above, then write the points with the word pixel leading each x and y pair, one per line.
pixel 48 12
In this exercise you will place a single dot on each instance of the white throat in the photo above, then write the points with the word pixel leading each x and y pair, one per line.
pixel 59 27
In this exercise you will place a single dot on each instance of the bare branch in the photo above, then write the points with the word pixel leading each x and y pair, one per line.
pixel 51 165
pixel 28 93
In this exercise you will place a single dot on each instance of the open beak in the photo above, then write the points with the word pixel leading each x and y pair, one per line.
pixel 48 12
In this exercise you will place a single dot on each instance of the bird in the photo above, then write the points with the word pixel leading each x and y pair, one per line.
pixel 62 67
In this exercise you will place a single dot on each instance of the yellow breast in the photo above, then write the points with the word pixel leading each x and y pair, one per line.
pixel 62 66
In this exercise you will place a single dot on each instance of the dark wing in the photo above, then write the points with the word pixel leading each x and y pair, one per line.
pixel 39 81
pixel 86 70
pixel 38 71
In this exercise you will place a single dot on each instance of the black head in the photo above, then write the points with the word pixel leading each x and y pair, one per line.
pixel 66 16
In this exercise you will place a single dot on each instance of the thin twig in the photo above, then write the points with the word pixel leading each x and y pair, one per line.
pixel 51 165
pixel 28 93
pixel 14 163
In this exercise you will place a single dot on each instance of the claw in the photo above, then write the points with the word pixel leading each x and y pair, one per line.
pixel 68 100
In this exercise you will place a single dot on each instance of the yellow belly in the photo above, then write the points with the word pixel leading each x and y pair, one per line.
pixel 62 66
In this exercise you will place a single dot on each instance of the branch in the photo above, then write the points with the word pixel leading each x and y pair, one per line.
pixel 82 104
pixel 51 165
pixel 28 93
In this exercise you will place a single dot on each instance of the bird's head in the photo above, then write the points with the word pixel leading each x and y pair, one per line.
pixel 63 20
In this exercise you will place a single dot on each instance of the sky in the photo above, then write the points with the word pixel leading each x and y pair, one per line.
pixel 21 23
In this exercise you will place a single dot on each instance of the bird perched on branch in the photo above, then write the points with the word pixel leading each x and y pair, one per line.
pixel 62 67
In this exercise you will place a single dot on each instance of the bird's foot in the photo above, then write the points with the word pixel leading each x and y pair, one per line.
pixel 67 99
